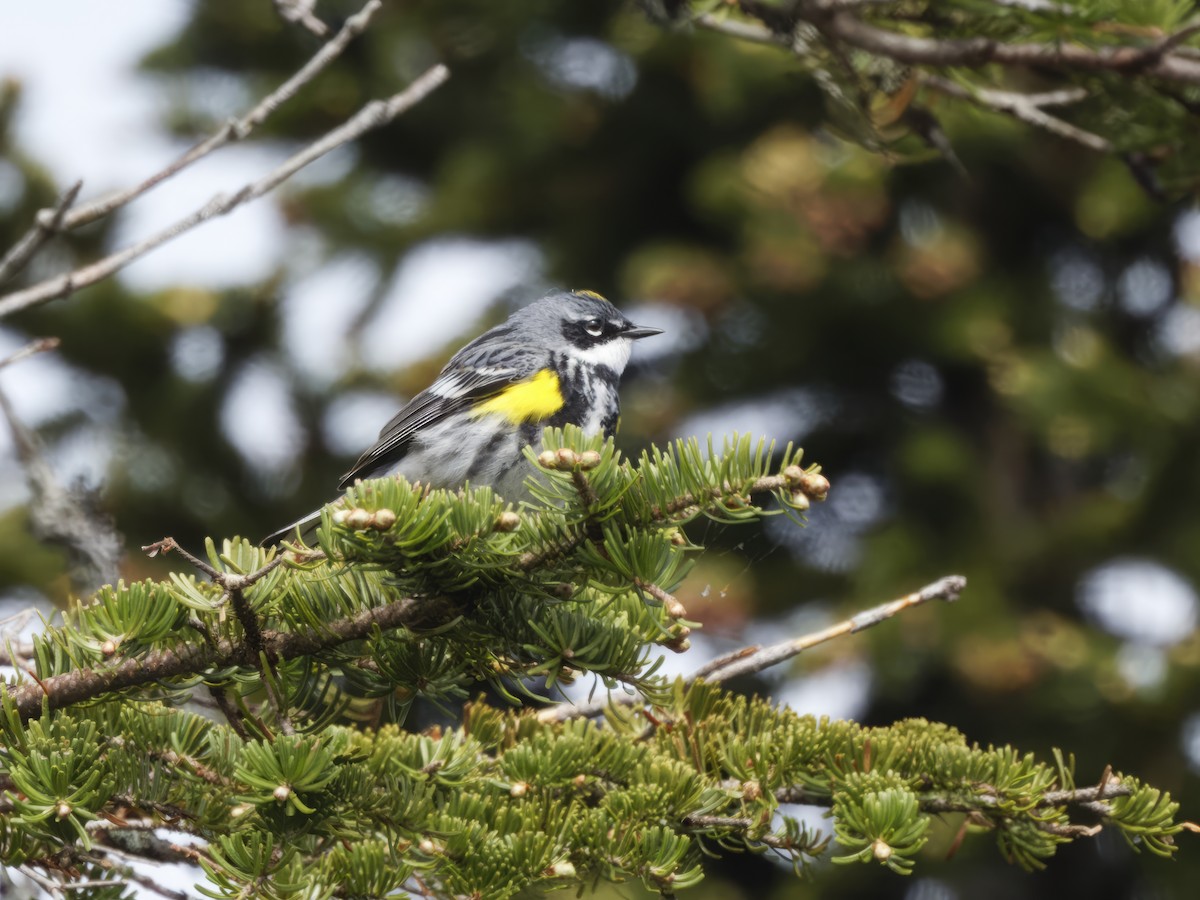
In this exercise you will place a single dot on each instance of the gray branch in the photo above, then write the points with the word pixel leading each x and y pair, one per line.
pixel 374 115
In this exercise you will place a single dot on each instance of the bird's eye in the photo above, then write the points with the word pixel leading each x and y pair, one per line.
pixel 594 327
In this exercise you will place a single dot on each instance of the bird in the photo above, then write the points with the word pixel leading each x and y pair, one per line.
pixel 555 362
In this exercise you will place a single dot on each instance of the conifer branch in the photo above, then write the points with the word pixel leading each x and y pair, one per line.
pixel 1092 799
pixel 121 673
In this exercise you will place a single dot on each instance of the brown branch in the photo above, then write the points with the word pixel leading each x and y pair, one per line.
pixel 231 713
pixel 121 673
pixel 1090 798
pixel 672 605
pixel 738 823
pixel 1168 65
pixel 374 115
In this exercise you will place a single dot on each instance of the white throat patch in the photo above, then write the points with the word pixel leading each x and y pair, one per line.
pixel 614 354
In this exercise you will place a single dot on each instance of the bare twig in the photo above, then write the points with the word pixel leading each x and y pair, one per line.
pixel 672 605
pixel 47 223
pixel 167 544
pixel 41 345
pixel 743 31
pixel 1042 6
pixel 947 589
pixel 1170 42
pixel 1029 108
pixel 749 660
pixel 235 129
pixel 375 114
pixel 300 12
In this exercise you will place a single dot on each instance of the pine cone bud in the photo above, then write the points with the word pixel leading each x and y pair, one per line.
pixel 508 521
pixel 358 519
pixel 548 459
pixel 567 458
pixel 815 485
pixel 282 792
pixel 793 475
pixel 383 519
pixel 589 459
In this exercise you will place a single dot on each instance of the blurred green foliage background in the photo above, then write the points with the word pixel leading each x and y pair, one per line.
pixel 1001 375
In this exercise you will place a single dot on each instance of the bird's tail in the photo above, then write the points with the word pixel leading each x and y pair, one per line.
pixel 300 526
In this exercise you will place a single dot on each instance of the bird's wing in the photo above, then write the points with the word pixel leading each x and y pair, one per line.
pixel 474 373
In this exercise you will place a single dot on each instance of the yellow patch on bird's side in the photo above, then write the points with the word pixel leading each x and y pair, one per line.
pixel 591 294
pixel 525 401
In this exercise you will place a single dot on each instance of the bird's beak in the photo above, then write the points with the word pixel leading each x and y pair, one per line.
pixel 636 332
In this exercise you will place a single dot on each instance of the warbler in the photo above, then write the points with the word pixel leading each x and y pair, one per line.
pixel 557 361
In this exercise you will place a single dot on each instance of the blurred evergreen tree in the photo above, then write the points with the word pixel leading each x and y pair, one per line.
pixel 999 371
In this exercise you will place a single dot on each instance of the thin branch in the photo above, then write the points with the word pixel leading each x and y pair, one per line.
pixel 1092 799
pixel 1028 108
pixel 235 129
pixel 743 31
pixel 669 601
pixel 739 823
pixel 976 52
pixel 948 589
pixel 1171 42
pixel 46 224
pixel 41 345
pixel 299 12
pixel 374 115
pixel 748 660
pixel 1042 6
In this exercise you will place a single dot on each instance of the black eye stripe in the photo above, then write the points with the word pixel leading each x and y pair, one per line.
pixel 578 334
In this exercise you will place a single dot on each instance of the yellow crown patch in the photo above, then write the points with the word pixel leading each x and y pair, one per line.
pixel 591 294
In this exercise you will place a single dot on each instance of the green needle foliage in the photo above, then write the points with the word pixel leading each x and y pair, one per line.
pixel 303 780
